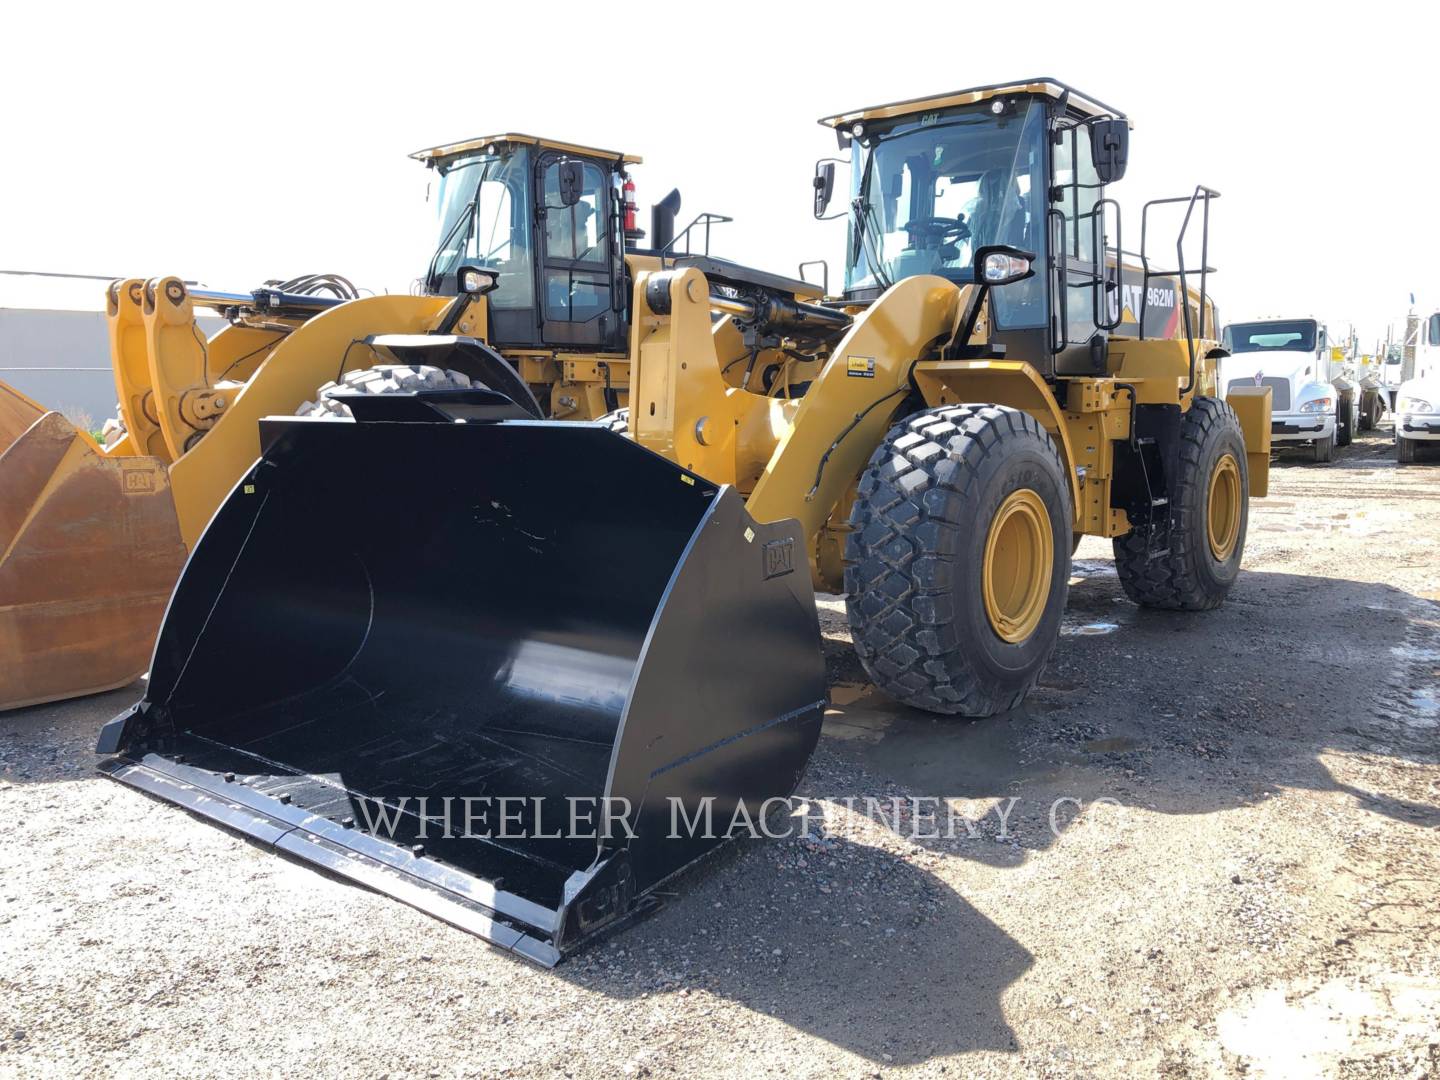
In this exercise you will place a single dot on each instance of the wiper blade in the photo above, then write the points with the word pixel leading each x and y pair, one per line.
pixel 466 218
pixel 860 206
pixel 863 222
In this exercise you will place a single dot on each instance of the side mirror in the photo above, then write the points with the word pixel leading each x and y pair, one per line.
pixel 824 186
pixel 572 182
pixel 1001 264
pixel 1109 148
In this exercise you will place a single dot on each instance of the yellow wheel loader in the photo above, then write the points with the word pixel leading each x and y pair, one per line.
pixel 456 625
pixel 93 537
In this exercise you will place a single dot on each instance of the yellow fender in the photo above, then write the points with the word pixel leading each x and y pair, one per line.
pixel 315 353
pixel 1013 383
pixel 852 403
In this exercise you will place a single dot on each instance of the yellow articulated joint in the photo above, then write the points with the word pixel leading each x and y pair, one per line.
pixel 316 352
pixel 852 403
pixel 130 363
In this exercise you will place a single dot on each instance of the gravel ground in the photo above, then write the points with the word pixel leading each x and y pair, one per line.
pixel 1240 880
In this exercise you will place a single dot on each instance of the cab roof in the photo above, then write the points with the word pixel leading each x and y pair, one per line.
pixel 448 149
pixel 1043 85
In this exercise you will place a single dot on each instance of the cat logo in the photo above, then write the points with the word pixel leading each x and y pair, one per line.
pixel 779 558
pixel 860 367
pixel 139 481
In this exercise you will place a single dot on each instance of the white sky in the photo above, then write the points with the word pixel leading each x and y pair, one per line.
pixel 232 143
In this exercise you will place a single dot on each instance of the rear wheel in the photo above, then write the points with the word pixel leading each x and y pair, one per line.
pixel 1405 450
pixel 1209 503
pixel 956 567
pixel 1345 421
pixel 382 379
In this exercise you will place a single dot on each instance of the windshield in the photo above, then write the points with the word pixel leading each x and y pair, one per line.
pixel 484 211
pixel 933 190
pixel 1295 335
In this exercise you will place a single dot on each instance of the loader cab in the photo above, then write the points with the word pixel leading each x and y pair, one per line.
pixel 546 216
pixel 1023 165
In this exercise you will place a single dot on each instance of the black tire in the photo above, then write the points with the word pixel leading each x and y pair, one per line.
pixel 913 561
pixel 1324 450
pixel 1344 421
pixel 617 421
pixel 1368 408
pixel 381 379
pixel 1405 449
pixel 1190 577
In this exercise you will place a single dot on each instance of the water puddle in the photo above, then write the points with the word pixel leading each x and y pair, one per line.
pixel 1090 629
pixel 849 693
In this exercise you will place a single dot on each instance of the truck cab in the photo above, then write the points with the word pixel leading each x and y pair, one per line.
pixel 1292 357
pixel 1417 401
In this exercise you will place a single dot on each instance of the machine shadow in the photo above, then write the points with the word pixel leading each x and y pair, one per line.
pixel 884 943
pixel 1175 712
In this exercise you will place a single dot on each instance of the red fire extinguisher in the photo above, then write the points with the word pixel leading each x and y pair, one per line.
pixel 632 231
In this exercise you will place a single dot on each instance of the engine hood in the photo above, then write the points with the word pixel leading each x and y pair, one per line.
pixel 1427 387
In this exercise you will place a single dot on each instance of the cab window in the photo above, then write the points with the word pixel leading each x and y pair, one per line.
pixel 575 233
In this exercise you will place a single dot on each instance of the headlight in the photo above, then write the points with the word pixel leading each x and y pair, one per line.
pixel 1319 404
pixel 1413 405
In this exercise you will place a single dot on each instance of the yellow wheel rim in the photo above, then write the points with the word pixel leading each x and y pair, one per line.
pixel 1223 518
pixel 1019 561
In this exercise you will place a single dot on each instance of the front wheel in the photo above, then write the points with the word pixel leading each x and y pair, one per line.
pixel 1405 449
pixel 1324 450
pixel 1344 422
pixel 1209 504
pixel 956 568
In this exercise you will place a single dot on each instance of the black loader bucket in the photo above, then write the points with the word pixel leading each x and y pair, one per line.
pixel 497 670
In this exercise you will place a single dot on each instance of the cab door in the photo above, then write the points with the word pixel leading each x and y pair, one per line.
pixel 1083 299
pixel 580 301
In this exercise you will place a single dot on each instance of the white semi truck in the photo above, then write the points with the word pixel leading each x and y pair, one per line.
pixel 1417 401
pixel 1313 404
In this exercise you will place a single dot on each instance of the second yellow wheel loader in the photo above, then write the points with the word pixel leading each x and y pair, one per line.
pixel 93 537
pixel 445 603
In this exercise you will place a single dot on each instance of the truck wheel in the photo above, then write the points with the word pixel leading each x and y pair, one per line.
pixel 1325 449
pixel 382 379
pixel 1367 412
pixel 1344 421
pixel 1405 449
pixel 956 568
pixel 1209 504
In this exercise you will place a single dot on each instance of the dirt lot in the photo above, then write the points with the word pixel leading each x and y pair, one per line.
pixel 1241 879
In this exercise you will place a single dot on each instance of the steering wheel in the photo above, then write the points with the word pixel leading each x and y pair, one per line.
pixel 937 229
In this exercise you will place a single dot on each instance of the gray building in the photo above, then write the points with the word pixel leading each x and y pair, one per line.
pixel 54 346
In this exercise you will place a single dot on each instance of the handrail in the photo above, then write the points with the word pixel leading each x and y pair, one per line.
pixel 706 219
pixel 1203 195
